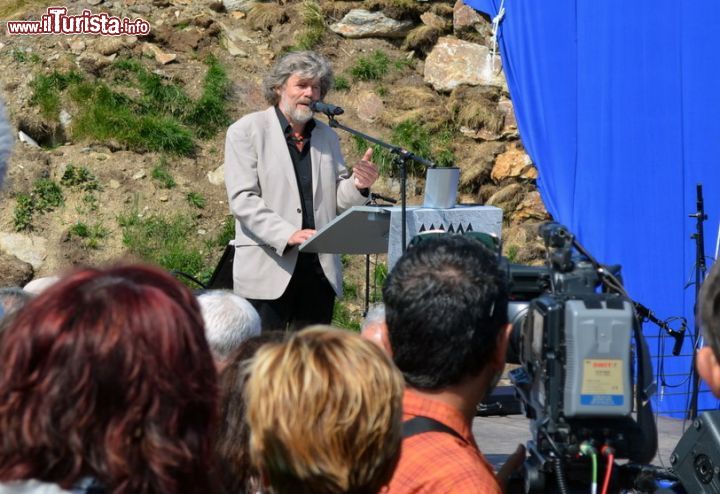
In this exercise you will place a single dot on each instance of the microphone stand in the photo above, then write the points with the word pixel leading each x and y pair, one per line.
pixel 372 201
pixel 700 270
pixel 401 158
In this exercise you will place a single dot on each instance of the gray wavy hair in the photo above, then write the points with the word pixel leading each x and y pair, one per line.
pixel 304 63
pixel 6 142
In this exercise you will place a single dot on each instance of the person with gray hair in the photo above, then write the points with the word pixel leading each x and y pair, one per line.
pixel 229 320
pixel 6 142
pixel 286 178
pixel 12 299
pixel 374 327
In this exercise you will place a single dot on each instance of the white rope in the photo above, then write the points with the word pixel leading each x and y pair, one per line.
pixel 495 27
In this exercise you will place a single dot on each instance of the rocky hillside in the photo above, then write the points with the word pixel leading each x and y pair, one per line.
pixel 122 137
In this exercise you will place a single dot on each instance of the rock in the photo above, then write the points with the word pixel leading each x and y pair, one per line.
pixel 178 41
pixel 138 175
pixel 108 45
pixel 530 208
pixel 216 6
pixel 238 15
pixel 507 197
pixel 250 94
pixel 151 50
pixel 65 118
pixel 94 2
pixel 114 184
pixel 28 248
pixel 27 139
pixel 453 62
pixel 477 164
pixel 359 23
pixel 77 47
pixel 510 128
pixel 202 231
pixel 238 5
pixel 217 176
pixel 369 106
pixel 237 35
pixel 464 16
pixel 434 20
pixel 232 48
pixel 163 198
pixel 513 163
pixel 94 62
pixel 14 272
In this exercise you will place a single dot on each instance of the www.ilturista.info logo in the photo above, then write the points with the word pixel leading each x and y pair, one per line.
pixel 57 21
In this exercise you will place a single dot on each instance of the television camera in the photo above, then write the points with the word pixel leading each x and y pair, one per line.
pixel 584 376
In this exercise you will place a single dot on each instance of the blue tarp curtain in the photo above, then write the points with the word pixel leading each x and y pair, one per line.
pixel 618 105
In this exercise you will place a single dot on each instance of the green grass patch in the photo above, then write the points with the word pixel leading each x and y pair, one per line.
pixel 90 201
pixel 209 114
pixel 372 67
pixel 46 92
pixel 46 195
pixel 109 115
pixel 313 29
pixel 163 118
pixel 80 176
pixel 170 242
pixel 23 214
pixel 195 199
pixel 163 176
pixel 227 232
pixel 91 235
pixel 341 83
pixel 343 318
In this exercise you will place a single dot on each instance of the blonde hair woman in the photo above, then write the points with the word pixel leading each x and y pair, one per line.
pixel 324 410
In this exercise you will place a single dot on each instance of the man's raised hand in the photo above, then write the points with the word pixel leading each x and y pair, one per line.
pixel 365 172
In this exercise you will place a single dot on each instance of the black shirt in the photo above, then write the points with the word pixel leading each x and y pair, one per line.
pixel 303 166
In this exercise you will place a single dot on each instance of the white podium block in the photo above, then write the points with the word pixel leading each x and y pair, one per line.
pixel 460 219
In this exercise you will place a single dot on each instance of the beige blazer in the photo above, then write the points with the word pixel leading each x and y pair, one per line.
pixel 264 198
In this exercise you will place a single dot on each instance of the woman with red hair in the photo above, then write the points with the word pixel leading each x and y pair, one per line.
pixel 107 385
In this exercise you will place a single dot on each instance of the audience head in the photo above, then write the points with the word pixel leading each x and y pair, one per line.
pixel 324 411
pixel 446 311
pixel 708 357
pixel 38 285
pixel 374 329
pixel 229 320
pixel 12 299
pixel 6 142
pixel 236 474
pixel 107 374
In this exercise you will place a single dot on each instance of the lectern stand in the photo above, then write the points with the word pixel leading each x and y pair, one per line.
pixel 359 230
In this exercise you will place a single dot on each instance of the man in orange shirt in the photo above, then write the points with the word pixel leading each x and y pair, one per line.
pixel 446 315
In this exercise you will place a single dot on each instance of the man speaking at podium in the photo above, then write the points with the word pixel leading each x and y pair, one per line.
pixel 285 179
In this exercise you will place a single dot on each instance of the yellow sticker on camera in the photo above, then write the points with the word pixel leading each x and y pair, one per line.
pixel 602 377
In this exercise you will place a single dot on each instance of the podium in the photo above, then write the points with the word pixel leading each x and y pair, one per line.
pixel 378 229
pixel 458 220
pixel 359 230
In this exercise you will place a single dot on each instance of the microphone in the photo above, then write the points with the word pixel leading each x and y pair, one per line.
pixel 326 108
pixel 679 335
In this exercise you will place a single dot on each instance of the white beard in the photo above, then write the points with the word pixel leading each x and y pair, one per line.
pixel 297 114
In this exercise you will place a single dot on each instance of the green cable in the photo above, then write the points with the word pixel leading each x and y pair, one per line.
pixel 586 449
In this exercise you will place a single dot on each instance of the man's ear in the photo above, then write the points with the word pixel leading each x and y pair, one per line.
pixel 709 369
pixel 378 334
pixel 503 338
